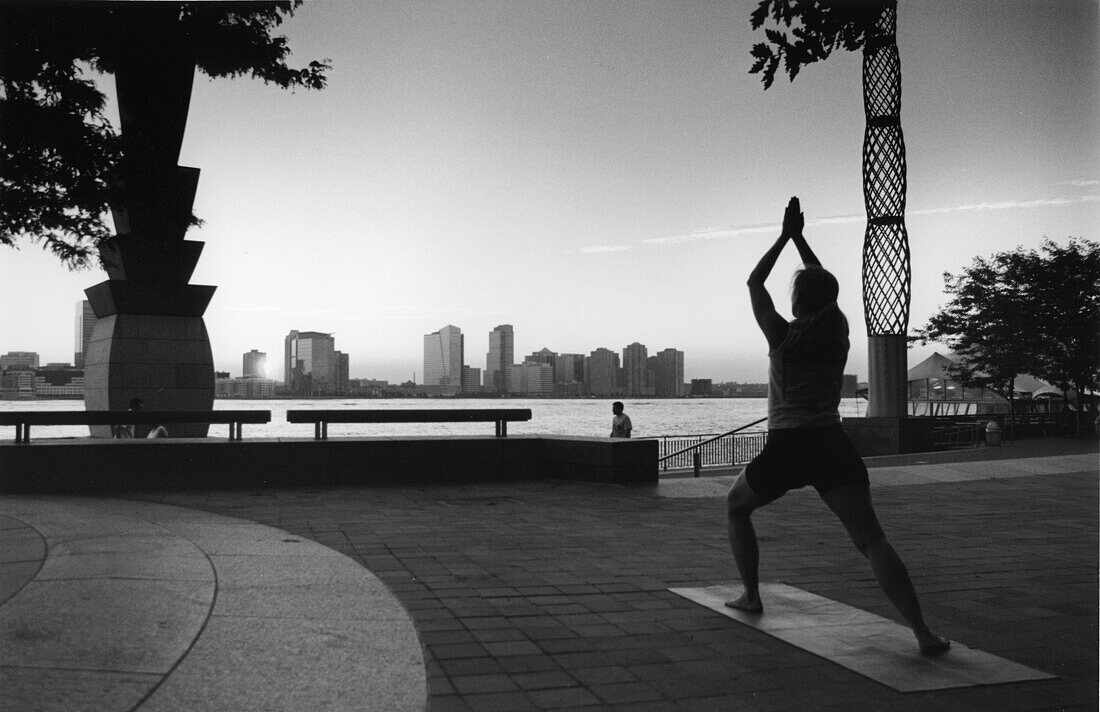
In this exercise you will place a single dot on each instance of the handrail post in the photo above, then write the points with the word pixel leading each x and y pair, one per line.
pixel 697 462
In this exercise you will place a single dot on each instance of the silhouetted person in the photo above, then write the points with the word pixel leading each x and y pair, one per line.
pixel 620 421
pixel 806 445
pixel 127 431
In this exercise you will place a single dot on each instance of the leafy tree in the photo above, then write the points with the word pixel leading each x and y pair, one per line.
pixel 1027 311
pixel 817 28
pixel 58 151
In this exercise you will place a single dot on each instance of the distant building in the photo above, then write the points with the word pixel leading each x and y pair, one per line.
pixel 501 357
pixel 670 373
pixel 601 373
pixel 531 379
pixel 243 387
pixel 310 363
pixel 544 355
pixel 26 360
pixel 255 364
pixel 569 376
pixel 56 380
pixel 443 357
pixel 85 324
pixel 17 383
pixel 701 387
pixel 471 380
pixel 343 366
pixel 635 365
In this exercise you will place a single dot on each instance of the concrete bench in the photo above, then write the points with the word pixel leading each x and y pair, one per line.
pixel 23 420
pixel 321 418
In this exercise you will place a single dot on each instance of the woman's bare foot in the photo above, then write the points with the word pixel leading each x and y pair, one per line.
pixel 749 603
pixel 931 644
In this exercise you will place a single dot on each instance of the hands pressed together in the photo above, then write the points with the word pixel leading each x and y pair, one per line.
pixel 793 220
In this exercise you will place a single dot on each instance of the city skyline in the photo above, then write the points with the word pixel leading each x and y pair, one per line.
pixel 598 173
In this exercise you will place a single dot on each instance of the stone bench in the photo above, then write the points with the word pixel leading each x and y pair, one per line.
pixel 23 420
pixel 321 418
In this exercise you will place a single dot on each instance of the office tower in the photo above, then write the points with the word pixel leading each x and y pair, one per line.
pixel 471 379
pixel 569 368
pixel 670 373
pixel 634 369
pixel 23 360
pixel 502 346
pixel 544 355
pixel 255 364
pixel 443 355
pixel 531 378
pixel 343 366
pixel 85 322
pixel 310 363
pixel 601 373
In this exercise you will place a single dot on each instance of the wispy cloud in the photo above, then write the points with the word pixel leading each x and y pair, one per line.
pixel 255 310
pixel 1007 205
pixel 419 313
pixel 716 233
pixel 597 249
pixel 1088 183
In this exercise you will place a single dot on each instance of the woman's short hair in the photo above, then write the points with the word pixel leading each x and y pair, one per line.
pixel 814 288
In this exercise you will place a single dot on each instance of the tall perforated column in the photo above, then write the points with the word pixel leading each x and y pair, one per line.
pixel 886 265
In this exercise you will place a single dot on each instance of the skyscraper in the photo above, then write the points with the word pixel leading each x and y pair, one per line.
pixel 443 355
pixel 502 346
pixel 310 363
pixel 670 373
pixel 255 364
pixel 343 366
pixel 85 322
pixel 601 373
pixel 634 369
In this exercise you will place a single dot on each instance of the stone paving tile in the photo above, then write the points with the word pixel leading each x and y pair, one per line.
pixel 555 596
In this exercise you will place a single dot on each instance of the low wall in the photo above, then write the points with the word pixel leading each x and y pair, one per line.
pixel 87 465
pixel 889 436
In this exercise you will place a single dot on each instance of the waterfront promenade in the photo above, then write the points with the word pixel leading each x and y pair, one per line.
pixel 538 595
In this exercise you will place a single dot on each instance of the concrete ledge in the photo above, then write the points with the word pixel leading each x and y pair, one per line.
pixel 889 436
pixel 88 465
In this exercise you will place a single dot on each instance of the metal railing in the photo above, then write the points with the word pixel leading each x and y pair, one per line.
pixel 735 447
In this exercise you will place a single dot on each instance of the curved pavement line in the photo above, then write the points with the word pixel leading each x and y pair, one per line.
pixel 135 605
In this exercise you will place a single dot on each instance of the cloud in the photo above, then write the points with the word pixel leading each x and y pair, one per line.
pixel 1080 183
pixel 1008 205
pixel 715 233
pixel 598 249
pixel 420 313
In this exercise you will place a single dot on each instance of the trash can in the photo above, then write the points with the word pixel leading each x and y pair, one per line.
pixel 993 433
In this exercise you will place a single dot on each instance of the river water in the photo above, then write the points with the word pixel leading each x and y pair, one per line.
pixel 590 417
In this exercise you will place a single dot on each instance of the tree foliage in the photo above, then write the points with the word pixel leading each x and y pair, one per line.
pixel 807 31
pixel 57 148
pixel 1027 311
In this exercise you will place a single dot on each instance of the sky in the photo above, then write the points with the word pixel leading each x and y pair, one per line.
pixel 597 173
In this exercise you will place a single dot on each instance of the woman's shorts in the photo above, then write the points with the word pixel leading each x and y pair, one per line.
pixel 797 457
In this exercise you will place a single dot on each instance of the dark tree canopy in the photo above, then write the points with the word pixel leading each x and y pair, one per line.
pixel 57 148
pixel 1027 311
pixel 806 31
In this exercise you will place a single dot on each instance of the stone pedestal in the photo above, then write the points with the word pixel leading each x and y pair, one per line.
pixel 889 436
pixel 887 373
pixel 164 360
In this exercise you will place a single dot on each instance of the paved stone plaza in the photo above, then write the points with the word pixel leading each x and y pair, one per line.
pixel 551 595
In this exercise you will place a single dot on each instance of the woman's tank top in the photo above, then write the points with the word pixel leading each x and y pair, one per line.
pixel 806 371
